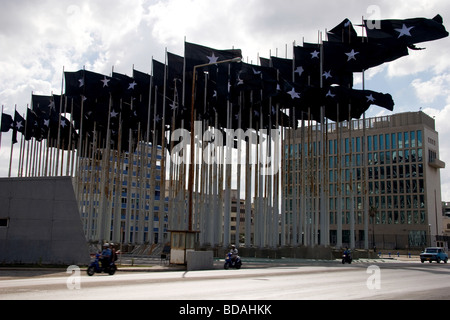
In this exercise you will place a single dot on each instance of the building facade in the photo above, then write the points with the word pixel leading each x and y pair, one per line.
pixel 373 183
pixel 120 197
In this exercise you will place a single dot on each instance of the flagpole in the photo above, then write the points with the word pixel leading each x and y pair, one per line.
pixel 12 145
pixel 192 155
pixel 162 194
pixel 365 172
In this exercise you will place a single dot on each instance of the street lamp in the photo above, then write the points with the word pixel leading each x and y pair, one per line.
pixel 191 167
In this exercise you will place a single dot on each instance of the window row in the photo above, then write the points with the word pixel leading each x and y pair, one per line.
pixel 384 217
pixel 378 142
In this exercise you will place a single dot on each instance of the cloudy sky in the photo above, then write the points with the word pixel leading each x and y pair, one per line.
pixel 40 39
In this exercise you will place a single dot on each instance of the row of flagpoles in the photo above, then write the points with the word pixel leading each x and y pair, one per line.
pixel 101 124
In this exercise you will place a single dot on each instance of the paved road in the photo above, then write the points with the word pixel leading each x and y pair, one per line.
pixel 290 281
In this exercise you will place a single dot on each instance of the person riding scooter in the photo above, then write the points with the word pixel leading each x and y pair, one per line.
pixel 105 257
pixel 234 252
pixel 347 256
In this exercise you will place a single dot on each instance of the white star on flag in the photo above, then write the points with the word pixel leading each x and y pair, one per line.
pixel 212 58
pixel 370 98
pixel 47 122
pixel 351 55
pixel 299 70
pixel 329 94
pixel 105 82
pixel 404 31
pixel 293 94
pixel 113 114
pixel 327 74
pixel 132 85
pixel 173 106
pixel 19 125
pixel 63 123
pixel 315 54
pixel 81 81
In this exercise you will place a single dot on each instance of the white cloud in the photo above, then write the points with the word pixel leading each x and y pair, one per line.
pixel 427 91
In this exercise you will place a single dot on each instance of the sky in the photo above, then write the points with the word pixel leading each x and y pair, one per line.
pixel 40 40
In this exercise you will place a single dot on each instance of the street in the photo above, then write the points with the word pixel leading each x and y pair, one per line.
pixel 291 281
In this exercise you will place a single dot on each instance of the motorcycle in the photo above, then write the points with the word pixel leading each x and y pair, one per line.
pixel 96 267
pixel 229 263
pixel 346 258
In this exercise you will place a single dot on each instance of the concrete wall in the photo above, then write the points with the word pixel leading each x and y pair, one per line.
pixel 199 260
pixel 44 224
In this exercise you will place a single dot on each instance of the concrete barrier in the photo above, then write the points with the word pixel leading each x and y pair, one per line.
pixel 44 225
pixel 199 260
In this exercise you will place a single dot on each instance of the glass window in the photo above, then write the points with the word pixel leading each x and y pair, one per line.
pixel 416 217
pixel 399 138
pixel 406 139
pixel 381 142
pixel 387 141
pixel 383 217
pixel 375 143
pixel 394 141
pixel 413 139
pixel 369 143
pixel 419 138
pixel 358 144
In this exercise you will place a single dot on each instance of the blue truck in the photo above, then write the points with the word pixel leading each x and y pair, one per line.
pixel 437 254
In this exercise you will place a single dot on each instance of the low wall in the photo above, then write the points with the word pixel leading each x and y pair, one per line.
pixel 43 222
pixel 317 252
pixel 199 260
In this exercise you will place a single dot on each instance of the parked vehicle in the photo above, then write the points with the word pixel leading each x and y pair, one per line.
pixel 96 267
pixel 437 254
pixel 230 263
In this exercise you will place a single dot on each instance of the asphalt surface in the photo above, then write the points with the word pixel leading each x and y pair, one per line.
pixel 128 263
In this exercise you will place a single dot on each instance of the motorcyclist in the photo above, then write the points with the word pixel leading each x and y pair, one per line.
pixel 347 251
pixel 347 254
pixel 105 257
pixel 233 252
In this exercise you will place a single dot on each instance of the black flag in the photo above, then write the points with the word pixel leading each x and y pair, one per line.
pixel 7 122
pixel 407 32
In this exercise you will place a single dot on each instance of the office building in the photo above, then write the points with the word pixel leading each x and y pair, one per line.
pixel 381 186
